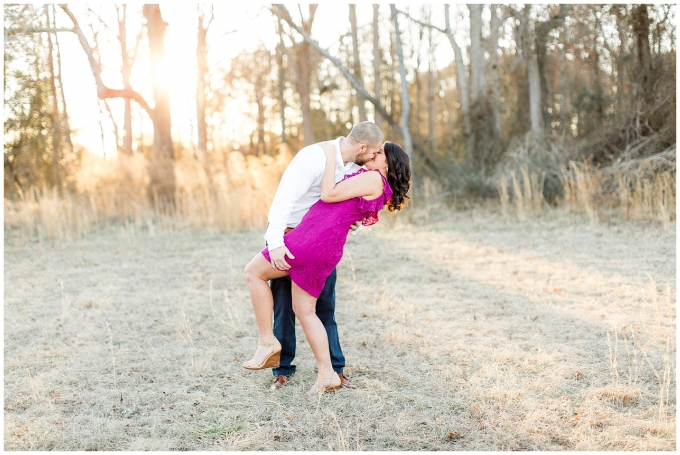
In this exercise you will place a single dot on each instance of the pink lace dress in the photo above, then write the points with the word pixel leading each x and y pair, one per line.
pixel 317 243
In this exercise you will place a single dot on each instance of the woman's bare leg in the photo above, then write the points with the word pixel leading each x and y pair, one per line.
pixel 304 306
pixel 258 272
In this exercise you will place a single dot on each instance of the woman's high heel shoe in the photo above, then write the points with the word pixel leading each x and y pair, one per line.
pixel 329 385
pixel 272 361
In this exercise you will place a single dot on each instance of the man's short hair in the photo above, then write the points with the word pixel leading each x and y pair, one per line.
pixel 367 133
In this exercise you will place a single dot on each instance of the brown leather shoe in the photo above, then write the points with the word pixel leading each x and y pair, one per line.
pixel 279 381
pixel 344 382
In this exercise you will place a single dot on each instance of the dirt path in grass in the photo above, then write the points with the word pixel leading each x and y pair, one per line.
pixel 468 332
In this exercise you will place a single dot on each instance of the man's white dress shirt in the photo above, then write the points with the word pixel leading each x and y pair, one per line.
pixel 300 188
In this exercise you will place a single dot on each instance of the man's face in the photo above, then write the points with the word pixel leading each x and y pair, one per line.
pixel 366 154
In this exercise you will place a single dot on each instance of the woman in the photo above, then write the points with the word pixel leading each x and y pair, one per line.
pixel 316 245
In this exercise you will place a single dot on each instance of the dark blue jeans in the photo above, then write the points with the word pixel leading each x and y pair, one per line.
pixel 284 323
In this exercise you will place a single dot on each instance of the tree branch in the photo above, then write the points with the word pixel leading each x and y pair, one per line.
pixel 103 91
pixel 100 20
pixel 12 32
pixel 424 24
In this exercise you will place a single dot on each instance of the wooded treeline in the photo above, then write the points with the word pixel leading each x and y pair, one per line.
pixel 575 82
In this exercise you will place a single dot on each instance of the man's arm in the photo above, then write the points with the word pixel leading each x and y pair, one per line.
pixel 295 182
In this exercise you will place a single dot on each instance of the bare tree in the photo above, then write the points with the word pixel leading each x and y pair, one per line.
pixel 564 87
pixel 361 102
pixel 260 80
pixel 201 75
pixel 542 30
pixel 56 120
pixel 127 60
pixel 524 40
pixel 405 100
pixel 280 52
pixel 462 82
pixel 415 51
pixel 639 18
pixel 477 62
pixel 377 60
pixel 201 83
pixel 431 76
pixel 161 167
pixel 102 90
pixel 303 73
pixel 494 70
pixel 66 129
pixel 486 149
pixel 621 56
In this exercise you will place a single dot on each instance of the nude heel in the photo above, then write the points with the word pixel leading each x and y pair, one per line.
pixel 272 361
pixel 319 389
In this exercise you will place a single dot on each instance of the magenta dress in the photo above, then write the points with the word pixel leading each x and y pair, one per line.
pixel 318 241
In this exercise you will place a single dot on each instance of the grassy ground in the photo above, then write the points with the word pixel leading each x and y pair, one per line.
pixel 466 331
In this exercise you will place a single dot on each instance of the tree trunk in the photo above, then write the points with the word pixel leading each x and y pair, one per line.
pixel 405 100
pixel 640 21
pixel 477 63
pixel 260 124
pixel 431 139
pixel 621 76
pixel 462 83
pixel 565 95
pixel 259 85
pixel 201 83
pixel 494 71
pixel 599 92
pixel 393 90
pixel 417 79
pixel 303 70
pixel 532 75
pixel 280 50
pixel 542 29
pixel 418 102
pixel 485 147
pixel 56 121
pixel 113 122
pixel 345 51
pixel 161 167
pixel 535 98
pixel 126 68
pixel 377 59
pixel 302 82
pixel 66 129
pixel 361 101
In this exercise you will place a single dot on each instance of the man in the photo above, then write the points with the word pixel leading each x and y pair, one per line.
pixel 299 189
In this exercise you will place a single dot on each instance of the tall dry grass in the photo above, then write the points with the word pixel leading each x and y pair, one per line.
pixel 634 190
pixel 641 194
pixel 527 193
pixel 231 195
pixel 583 189
pixel 647 197
pixel 235 194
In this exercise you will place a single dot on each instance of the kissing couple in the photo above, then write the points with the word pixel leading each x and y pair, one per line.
pixel 323 194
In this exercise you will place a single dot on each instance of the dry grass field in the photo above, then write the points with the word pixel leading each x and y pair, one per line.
pixel 463 331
